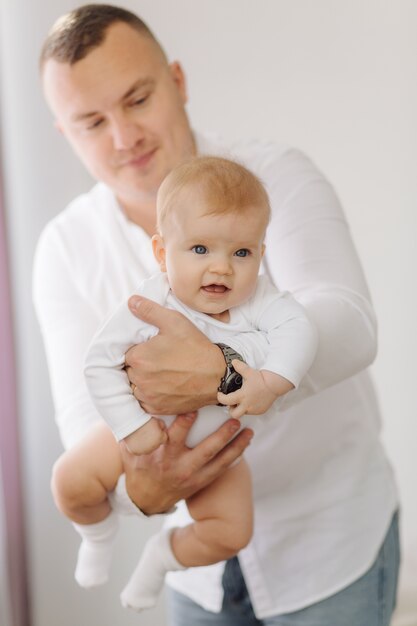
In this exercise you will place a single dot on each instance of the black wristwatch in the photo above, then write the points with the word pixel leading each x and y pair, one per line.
pixel 232 380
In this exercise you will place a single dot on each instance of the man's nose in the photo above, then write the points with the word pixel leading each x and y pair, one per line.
pixel 126 134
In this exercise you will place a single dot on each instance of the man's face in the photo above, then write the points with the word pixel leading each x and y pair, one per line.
pixel 122 110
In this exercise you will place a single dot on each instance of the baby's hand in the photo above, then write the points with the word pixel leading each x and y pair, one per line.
pixel 259 391
pixel 148 437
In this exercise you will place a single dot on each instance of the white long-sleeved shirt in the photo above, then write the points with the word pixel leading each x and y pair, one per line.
pixel 282 331
pixel 324 492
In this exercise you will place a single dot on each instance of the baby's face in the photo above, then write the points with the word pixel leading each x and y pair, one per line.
pixel 212 261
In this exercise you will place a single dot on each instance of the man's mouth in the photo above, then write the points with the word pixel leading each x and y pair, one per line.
pixel 140 160
pixel 213 288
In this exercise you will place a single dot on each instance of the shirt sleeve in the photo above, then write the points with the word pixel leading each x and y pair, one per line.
pixel 106 377
pixel 67 323
pixel 309 252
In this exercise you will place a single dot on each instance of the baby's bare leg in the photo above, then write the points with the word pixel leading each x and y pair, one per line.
pixel 81 480
pixel 223 514
pixel 223 526
pixel 84 475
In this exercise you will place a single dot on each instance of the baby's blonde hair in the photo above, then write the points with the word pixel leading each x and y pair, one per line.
pixel 226 186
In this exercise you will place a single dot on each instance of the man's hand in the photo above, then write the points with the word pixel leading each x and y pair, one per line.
pixel 176 371
pixel 157 481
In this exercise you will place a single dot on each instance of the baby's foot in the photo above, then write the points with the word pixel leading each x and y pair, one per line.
pixel 147 580
pixel 95 553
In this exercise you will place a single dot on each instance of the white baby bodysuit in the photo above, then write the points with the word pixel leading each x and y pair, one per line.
pixel 271 331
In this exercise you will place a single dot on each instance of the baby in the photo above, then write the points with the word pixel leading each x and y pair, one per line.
pixel 212 216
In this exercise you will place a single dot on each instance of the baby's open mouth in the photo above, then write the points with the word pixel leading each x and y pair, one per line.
pixel 215 288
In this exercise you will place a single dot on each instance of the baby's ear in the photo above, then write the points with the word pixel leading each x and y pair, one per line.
pixel 158 247
pixel 263 250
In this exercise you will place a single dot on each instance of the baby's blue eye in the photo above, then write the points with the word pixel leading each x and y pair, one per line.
pixel 242 252
pixel 199 249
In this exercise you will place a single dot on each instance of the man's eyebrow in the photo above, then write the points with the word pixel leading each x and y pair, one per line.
pixel 139 84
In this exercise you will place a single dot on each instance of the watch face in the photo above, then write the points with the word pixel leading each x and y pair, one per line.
pixel 233 382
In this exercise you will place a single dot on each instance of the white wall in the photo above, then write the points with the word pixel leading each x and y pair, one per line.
pixel 335 78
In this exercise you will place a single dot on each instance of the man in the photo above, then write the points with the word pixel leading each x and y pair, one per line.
pixel 325 546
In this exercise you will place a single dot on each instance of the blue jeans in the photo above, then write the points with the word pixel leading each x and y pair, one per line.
pixel 369 601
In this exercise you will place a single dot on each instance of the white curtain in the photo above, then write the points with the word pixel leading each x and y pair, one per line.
pixel 5 611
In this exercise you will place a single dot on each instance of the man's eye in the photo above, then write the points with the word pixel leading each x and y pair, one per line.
pixel 94 124
pixel 242 252
pixel 139 101
pixel 199 249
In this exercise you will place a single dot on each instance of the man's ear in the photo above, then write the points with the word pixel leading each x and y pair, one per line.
pixel 158 247
pixel 178 77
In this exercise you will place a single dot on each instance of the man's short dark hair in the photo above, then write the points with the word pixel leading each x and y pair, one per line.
pixel 78 32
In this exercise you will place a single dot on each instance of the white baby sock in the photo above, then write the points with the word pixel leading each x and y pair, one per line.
pixel 120 501
pixel 94 555
pixel 147 580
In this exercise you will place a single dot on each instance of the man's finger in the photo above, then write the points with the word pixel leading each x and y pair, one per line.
pixel 180 427
pixel 212 445
pixel 223 459
pixel 153 313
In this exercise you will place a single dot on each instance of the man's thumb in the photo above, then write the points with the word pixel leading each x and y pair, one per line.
pixel 146 310
pixel 151 312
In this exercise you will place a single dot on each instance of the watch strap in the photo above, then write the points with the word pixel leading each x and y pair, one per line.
pixel 229 355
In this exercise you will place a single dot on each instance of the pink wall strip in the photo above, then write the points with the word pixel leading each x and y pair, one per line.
pixel 9 449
